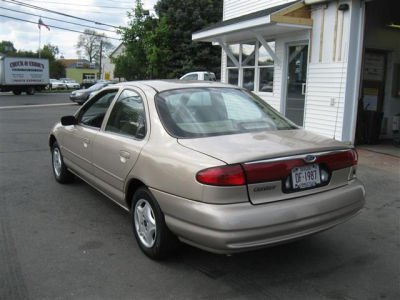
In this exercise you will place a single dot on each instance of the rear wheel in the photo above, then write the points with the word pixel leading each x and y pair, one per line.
pixel 16 92
pixel 151 232
pixel 60 171
pixel 30 91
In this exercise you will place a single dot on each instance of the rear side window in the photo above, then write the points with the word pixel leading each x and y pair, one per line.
pixel 128 116
pixel 202 112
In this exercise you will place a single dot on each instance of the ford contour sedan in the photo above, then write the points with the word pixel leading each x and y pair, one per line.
pixel 208 164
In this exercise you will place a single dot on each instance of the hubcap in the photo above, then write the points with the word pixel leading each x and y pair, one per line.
pixel 145 223
pixel 57 161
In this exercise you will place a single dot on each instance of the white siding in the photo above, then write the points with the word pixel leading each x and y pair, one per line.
pixel 237 8
pixel 326 79
pixel 326 83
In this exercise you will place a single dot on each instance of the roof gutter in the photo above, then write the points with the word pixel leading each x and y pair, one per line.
pixel 311 2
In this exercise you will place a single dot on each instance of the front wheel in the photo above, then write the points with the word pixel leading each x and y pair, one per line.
pixel 60 171
pixel 151 232
pixel 16 92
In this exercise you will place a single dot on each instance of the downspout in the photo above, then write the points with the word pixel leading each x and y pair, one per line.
pixel 356 42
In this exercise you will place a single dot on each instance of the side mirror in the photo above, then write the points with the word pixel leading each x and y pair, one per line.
pixel 68 121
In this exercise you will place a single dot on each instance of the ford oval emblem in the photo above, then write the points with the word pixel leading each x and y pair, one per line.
pixel 310 158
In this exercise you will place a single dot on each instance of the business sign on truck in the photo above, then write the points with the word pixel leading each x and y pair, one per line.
pixel 20 70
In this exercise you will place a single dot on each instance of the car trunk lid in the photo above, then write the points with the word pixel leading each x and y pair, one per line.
pixel 245 147
pixel 268 159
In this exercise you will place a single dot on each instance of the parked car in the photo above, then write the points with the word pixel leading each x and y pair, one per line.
pixel 209 164
pixel 70 83
pixel 81 96
pixel 56 84
pixel 202 75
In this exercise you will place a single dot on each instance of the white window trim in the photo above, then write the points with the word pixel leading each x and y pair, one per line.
pixel 256 68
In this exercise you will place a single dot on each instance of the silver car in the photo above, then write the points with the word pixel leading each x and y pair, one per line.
pixel 208 164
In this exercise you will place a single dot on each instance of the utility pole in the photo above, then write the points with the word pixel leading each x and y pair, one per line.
pixel 101 54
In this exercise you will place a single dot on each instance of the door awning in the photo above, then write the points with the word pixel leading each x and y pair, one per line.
pixel 267 23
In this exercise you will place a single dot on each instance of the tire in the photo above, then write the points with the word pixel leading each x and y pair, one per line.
pixel 148 222
pixel 60 171
pixel 16 92
pixel 30 91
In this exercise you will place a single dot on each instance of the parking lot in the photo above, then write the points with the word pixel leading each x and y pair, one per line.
pixel 70 242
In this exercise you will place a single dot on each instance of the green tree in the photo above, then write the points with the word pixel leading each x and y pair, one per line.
pixel 49 51
pixel 133 64
pixel 185 17
pixel 157 49
pixel 57 69
pixel 163 47
pixel 7 47
pixel 89 43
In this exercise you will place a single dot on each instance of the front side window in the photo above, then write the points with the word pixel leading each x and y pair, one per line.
pixel 93 113
pixel 202 112
pixel 128 116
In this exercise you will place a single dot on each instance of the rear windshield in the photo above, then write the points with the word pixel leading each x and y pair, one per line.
pixel 202 112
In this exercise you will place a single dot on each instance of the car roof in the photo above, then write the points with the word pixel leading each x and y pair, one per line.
pixel 164 85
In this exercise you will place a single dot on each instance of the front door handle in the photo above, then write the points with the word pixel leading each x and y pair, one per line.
pixel 124 155
pixel 86 142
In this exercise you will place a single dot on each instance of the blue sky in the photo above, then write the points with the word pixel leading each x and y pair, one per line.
pixel 26 36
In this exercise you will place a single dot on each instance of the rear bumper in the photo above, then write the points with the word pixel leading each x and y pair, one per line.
pixel 231 228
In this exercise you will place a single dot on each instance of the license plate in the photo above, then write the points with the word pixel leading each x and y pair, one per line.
pixel 305 176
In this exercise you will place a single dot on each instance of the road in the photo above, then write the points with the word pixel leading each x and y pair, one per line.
pixel 70 242
pixel 8 99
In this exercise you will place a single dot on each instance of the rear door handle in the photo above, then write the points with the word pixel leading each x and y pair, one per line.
pixel 86 142
pixel 124 155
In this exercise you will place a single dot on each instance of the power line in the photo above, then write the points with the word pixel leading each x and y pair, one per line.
pixel 56 12
pixel 86 5
pixel 66 29
pixel 79 24
pixel 113 1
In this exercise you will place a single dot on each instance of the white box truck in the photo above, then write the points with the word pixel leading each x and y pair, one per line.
pixel 23 74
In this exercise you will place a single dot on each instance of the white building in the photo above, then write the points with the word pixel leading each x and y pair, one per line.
pixel 107 67
pixel 316 61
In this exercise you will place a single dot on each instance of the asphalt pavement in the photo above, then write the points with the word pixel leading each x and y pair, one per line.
pixel 70 242
pixel 9 99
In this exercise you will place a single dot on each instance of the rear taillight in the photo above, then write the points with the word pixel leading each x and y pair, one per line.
pixel 232 175
pixel 339 160
pixel 222 176
pixel 277 170
pixel 270 171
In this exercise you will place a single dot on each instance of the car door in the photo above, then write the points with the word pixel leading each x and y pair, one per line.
pixel 78 139
pixel 118 144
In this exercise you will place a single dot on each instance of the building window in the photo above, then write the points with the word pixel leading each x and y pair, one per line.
pixel 256 71
pixel 233 76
